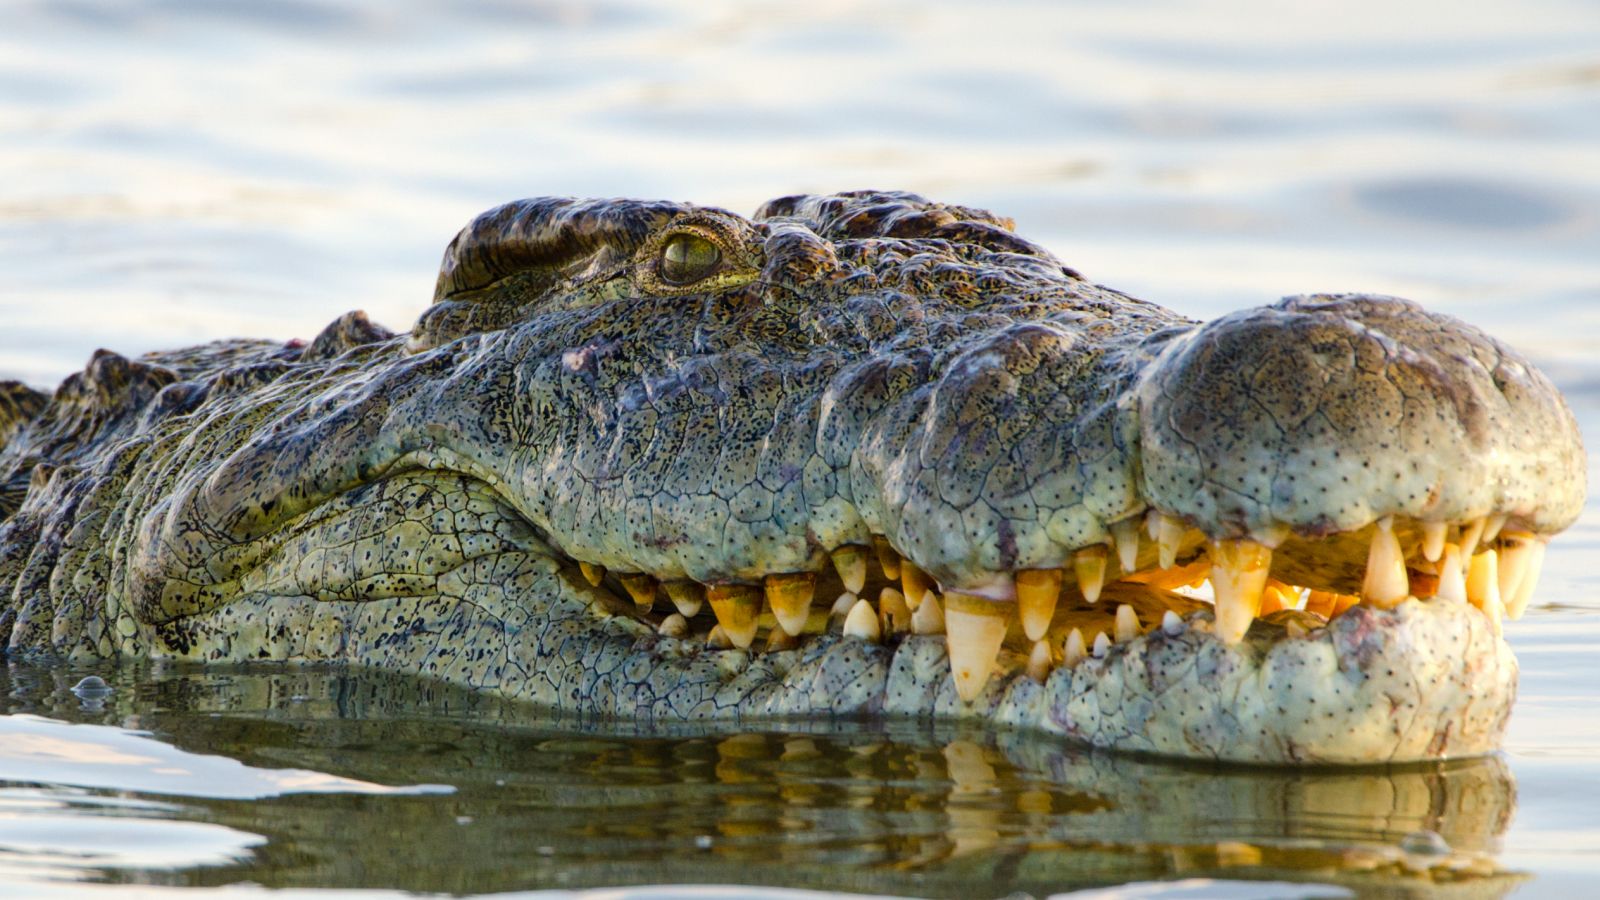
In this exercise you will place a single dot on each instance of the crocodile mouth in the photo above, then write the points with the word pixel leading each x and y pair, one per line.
pixel 1157 573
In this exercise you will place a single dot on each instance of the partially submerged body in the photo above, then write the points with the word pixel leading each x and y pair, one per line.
pixel 627 460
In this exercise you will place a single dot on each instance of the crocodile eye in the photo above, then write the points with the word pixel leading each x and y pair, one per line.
pixel 688 258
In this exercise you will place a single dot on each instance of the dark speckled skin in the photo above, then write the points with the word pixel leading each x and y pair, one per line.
pixel 857 364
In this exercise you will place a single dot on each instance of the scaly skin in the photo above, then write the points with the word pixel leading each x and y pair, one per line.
pixel 837 368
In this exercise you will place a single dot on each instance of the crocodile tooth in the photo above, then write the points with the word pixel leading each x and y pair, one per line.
pixel 674 625
pixel 975 627
pixel 928 617
pixel 1039 662
pixel 789 594
pixel 842 606
pixel 1037 592
pixel 1127 627
pixel 1470 535
pixel 1277 596
pixel 1516 550
pixel 915 581
pixel 592 573
pixel 1125 535
pixel 1492 526
pixel 1089 564
pixel 1102 646
pixel 1172 623
pixel 851 562
pixel 1452 582
pixel 718 639
pixel 642 588
pixel 1073 652
pixel 888 557
pixel 1238 576
pixel 736 606
pixel 1483 579
pixel 1385 584
pixel 1295 629
pixel 893 614
pixel 862 622
pixel 686 596
pixel 1152 523
pixel 1169 535
pixel 1433 535
pixel 779 640
pixel 1534 565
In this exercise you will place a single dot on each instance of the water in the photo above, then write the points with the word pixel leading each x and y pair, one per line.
pixel 179 171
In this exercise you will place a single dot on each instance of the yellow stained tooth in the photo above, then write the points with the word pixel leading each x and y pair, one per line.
pixel 1492 526
pixel 1169 535
pixel 1452 583
pixel 1074 651
pixel 862 622
pixel 686 596
pixel 1125 534
pixel 888 557
pixel 1102 646
pixel 1385 584
pixel 851 562
pixel 736 606
pixel 974 630
pixel 642 588
pixel 778 640
pixel 1039 662
pixel 1089 565
pixel 1532 567
pixel 894 616
pixel 915 581
pixel 718 638
pixel 1295 629
pixel 1127 627
pixel 1514 554
pixel 1483 580
pixel 673 626
pixel 1433 535
pixel 928 617
pixel 1037 592
pixel 1238 576
pixel 1277 596
pixel 1470 535
pixel 789 594
pixel 592 573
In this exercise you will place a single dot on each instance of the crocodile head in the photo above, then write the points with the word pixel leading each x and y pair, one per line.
pixel 634 451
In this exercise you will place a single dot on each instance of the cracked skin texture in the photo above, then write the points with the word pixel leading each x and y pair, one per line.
pixel 591 383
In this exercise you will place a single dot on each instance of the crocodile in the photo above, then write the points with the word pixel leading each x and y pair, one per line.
pixel 624 463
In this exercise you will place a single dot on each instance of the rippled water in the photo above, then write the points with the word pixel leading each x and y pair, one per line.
pixel 178 171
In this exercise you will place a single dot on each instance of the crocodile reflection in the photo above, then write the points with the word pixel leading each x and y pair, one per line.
pixel 925 811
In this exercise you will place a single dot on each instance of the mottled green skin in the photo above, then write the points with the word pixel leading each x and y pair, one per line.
pixel 861 364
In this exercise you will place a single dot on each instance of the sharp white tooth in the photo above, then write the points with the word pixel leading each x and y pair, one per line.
pixel 850 561
pixel 1433 534
pixel 1127 627
pixel 888 558
pixel 1471 533
pixel 789 594
pixel 1037 592
pixel 862 622
pixel 1102 646
pixel 1386 583
pixel 975 628
pixel 686 596
pixel 592 573
pixel 1039 662
pixel 736 606
pixel 1492 526
pixel 928 618
pixel 1171 623
pixel 1089 564
pixel 1152 524
pixel 1169 535
pixel 894 616
pixel 842 606
pixel 1073 652
pixel 1483 580
pixel 1517 605
pixel 1125 534
pixel 1452 583
pixel 674 625
pixel 1238 577
pixel 1517 551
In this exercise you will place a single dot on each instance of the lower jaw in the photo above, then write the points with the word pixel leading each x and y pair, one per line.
pixel 1426 680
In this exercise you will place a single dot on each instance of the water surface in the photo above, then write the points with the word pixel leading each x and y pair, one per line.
pixel 180 171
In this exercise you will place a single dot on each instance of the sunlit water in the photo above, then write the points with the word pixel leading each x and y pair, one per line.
pixel 179 171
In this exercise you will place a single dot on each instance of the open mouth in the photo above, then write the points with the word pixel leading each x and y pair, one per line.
pixel 1157 572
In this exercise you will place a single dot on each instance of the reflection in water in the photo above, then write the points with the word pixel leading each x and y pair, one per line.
pixel 915 810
